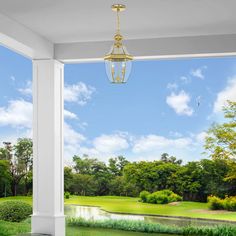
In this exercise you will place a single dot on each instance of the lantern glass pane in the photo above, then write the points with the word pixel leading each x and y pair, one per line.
pixel 118 71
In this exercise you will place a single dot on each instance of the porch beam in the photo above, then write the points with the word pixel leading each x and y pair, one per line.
pixel 155 48
pixel 48 164
pixel 19 38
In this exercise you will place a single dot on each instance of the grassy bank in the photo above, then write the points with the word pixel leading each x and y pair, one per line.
pixel 133 206
pixel 145 227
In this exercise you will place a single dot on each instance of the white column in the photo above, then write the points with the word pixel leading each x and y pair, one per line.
pixel 48 170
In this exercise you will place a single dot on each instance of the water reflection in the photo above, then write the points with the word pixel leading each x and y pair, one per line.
pixel 95 213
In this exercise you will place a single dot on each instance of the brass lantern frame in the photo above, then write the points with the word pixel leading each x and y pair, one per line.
pixel 118 45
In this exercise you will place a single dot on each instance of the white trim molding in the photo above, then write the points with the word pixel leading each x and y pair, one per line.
pixel 19 38
pixel 155 48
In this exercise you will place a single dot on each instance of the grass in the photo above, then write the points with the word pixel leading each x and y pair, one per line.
pixel 84 231
pixel 127 225
pixel 141 226
pixel 79 227
pixel 133 206
pixel 10 228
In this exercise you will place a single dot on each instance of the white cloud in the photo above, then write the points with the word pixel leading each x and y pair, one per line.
pixel 71 136
pixel 200 137
pixel 18 113
pixel 180 103
pixel 150 147
pixel 79 93
pixel 105 146
pixel 72 116
pixel 69 115
pixel 172 86
pixel 110 143
pixel 27 90
pixel 228 93
pixel 198 73
pixel 151 143
pixel 73 141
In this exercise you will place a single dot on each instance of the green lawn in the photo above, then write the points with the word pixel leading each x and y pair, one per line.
pixel 131 205
pixel 75 231
pixel 10 228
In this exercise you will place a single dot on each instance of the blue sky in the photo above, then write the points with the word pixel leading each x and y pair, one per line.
pixel 166 106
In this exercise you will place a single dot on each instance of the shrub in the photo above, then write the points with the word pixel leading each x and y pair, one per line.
pixel 67 195
pixel 160 197
pixel 229 203
pixel 143 195
pixel 15 211
pixel 175 197
pixel 215 203
pixel 151 198
pixel 167 192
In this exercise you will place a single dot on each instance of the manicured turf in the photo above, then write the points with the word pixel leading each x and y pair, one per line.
pixel 10 228
pixel 75 231
pixel 133 206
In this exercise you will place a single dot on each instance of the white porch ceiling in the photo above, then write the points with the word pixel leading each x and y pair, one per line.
pixel 63 22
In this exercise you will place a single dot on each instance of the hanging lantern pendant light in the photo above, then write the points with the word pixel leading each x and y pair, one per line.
pixel 118 62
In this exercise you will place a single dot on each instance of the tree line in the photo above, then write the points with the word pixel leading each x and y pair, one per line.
pixel 195 180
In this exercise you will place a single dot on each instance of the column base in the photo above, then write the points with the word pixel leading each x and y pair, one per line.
pixel 52 225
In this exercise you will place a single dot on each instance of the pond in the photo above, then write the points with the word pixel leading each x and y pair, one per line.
pixel 95 213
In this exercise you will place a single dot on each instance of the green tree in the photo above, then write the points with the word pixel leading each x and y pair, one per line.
pixel 24 160
pixel 19 158
pixel 117 164
pixel 220 142
pixel 5 154
pixel 68 179
pixel 5 178
pixel 84 185
pixel 213 177
pixel 96 169
pixel 172 159
pixel 151 176
pixel 188 181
